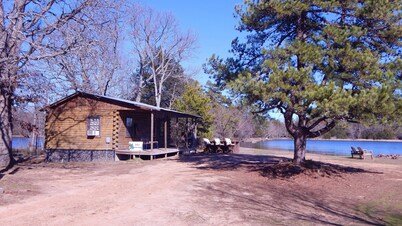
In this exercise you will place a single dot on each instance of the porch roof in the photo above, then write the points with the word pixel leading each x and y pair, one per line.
pixel 143 106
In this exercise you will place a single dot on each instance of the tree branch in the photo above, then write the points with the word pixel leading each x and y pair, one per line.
pixel 318 121
pixel 322 131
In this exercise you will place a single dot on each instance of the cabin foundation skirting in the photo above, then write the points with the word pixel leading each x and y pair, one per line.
pixel 70 155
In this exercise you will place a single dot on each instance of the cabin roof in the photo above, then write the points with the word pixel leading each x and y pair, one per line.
pixel 118 100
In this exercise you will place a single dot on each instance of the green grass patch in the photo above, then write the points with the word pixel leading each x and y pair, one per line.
pixel 383 213
pixel 393 219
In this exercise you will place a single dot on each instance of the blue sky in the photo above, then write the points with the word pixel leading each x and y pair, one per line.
pixel 212 21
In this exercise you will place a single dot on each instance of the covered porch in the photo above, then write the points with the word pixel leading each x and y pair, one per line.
pixel 153 154
pixel 156 133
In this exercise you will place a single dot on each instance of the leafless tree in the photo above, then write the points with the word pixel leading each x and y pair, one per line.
pixel 93 66
pixel 276 129
pixel 28 121
pixel 159 48
pixel 245 127
pixel 231 122
pixel 34 91
pixel 27 29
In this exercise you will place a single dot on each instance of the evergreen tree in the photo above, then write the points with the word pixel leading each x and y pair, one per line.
pixel 317 62
pixel 215 94
pixel 195 101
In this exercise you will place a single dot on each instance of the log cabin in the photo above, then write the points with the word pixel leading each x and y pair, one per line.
pixel 90 127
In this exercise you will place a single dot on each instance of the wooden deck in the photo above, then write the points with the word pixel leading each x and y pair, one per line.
pixel 151 153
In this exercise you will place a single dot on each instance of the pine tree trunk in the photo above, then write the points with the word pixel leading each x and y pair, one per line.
pixel 300 141
pixel 6 157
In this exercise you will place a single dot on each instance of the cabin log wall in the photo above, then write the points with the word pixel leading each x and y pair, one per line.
pixel 66 125
pixel 116 124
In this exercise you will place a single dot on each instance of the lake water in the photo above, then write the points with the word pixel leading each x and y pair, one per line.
pixel 333 147
pixel 23 142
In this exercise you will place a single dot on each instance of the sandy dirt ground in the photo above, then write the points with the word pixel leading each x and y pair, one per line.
pixel 203 189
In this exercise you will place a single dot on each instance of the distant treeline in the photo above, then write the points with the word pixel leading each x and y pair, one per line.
pixel 276 129
pixel 352 131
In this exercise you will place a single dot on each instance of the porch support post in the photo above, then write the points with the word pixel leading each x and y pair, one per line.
pixel 178 135
pixel 165 133
pixel 186 128
pixel 195 134
pixel 195 127
pixel 152 131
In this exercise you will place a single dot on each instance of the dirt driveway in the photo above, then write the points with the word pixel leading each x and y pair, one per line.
pixel 201 190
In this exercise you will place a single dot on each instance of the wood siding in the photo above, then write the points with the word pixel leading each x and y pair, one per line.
pixel 116 123
pixel 66 125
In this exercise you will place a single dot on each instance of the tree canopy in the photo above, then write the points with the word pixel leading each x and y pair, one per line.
pixel 195 101
pixel 159 48
pixel 317 63
pixel 31 31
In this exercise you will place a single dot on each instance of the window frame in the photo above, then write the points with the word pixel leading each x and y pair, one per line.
pixel 89 126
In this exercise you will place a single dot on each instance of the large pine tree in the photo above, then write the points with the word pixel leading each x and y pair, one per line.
pixel 317 62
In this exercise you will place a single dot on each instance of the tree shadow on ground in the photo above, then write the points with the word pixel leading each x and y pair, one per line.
pixel 267 165
pixel 21 160
pixel 285 205
pixel 281 203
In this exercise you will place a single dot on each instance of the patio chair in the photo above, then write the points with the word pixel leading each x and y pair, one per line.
pixel 228 145
pixel 365 152
pixel 356 152
pixel 217 144
pixel 217 141
pixel 207 145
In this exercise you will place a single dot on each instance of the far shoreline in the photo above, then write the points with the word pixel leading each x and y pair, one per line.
pixel 256 140
pixel 320 156
pixel 336 147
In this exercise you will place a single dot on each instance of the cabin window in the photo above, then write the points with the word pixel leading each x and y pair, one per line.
pixel 93 126
pixel 130 127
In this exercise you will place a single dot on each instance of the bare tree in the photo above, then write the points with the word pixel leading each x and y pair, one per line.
pixel 232 122
pixel 159 48
pixel 30 96
pixel 28 121
pixel 276 129
pixel 93 66
pixel 26 31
